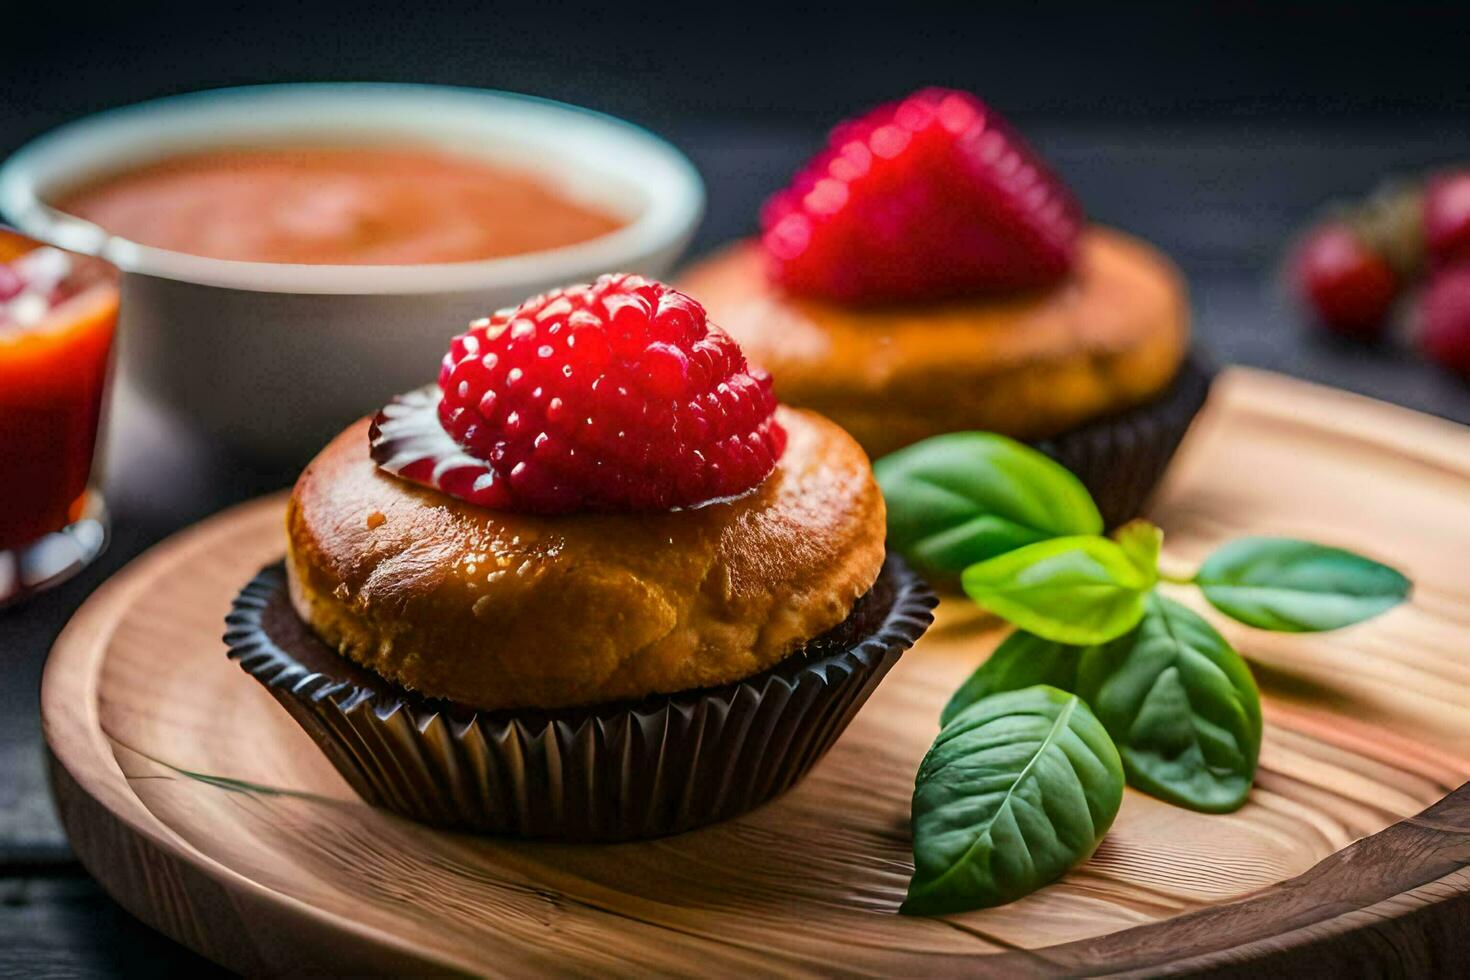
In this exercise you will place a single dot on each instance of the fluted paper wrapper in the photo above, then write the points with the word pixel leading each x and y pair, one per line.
pixel 1122 458
pixel 606 772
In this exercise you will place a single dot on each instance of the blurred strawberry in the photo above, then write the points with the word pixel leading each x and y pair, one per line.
pixel 931 196
pixel 1447 218
pixel 1444 314
pixel 1348 285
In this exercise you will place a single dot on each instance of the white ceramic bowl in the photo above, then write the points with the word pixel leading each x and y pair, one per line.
pixel 273 359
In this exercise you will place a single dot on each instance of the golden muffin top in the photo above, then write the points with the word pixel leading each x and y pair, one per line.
pixel 1027 365
pixel 503 610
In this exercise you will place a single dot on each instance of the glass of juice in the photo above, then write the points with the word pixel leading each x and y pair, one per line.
pixel 58 312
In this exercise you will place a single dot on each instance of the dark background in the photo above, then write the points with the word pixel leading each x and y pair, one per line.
pixel 665 63
pixel 1215 130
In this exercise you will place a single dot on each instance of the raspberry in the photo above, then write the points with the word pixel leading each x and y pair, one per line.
pixel 613 396
pixel 1349 286
pixel 929 197
pixel 1444 313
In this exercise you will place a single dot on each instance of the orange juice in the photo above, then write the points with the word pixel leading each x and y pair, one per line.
pixel 55 345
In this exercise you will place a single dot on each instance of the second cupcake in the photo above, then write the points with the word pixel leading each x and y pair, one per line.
pixel 928 273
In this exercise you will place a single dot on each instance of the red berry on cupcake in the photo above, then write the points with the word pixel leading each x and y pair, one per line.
pixel 1444 315
pixel 618 395
pixel 924 198
pixel 1447 218
pixel 1349 286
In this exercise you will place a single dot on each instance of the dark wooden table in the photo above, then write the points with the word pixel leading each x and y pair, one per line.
pixel 1222 198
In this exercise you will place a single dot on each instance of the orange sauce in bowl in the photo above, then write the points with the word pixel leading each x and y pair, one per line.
pixel 368 205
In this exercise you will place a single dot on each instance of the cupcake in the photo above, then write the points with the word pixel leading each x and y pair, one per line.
pixel 595 584
pixel 927 273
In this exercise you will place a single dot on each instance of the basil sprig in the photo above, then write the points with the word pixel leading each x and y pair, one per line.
pixel 957 499
pixel 1074 590
pixel 1142 542
pixel 1022 660
pixel 1176 698
pixel 1296 586
pixel 1016 789
pixel 1174 703
pixel 1181 705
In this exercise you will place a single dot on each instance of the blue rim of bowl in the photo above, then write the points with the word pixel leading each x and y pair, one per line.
pixel 665 226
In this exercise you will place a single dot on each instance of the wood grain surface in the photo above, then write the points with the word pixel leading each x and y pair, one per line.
pixel 190 794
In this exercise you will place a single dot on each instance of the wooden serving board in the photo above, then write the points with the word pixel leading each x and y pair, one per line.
pixel 194 799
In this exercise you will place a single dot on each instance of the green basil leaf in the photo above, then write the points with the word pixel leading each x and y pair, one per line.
pixel 1022 660
pixel 1141 541
pixel 1181 706
pixel 1296 586
pixel 960 498
pixel 1017 789
pixel 1072 590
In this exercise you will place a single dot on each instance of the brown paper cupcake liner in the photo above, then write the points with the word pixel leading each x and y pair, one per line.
pixel 606 772
pixel 1121 458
